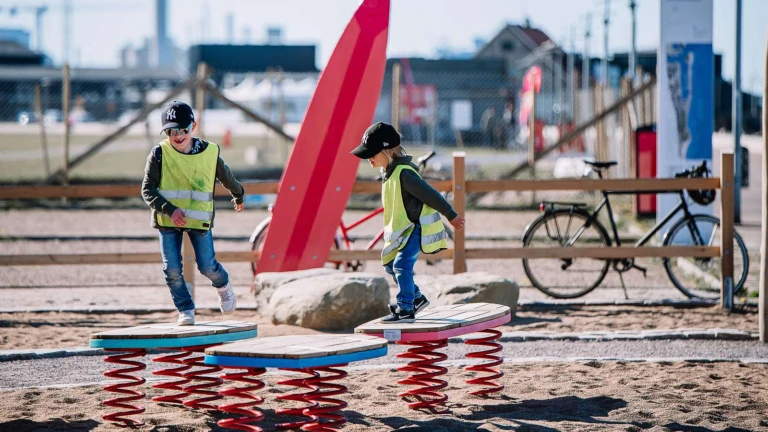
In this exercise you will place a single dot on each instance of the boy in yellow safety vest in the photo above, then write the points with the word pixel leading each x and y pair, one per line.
pixel 179 181
pixel 412 222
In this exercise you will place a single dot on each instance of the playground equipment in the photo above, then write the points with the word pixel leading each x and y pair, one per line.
pixel 429 333
pixel 321 357
pixel 133 343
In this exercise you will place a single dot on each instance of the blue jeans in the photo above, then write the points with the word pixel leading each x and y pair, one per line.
pixel 170 247
pixel 401 269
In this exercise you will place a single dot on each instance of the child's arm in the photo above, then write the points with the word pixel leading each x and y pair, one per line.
pixel 149 186
pixel 225 176
pixel 425 193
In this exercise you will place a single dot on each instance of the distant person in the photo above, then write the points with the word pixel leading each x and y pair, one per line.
pixel 490 125
pixel 179 181
pixel 412 223
pixel 510 123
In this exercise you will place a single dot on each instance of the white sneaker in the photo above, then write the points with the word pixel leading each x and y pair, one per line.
pixel 227 299
pixel 186 318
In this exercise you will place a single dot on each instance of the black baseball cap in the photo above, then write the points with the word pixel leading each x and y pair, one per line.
pixel 377 137
pixel 177 115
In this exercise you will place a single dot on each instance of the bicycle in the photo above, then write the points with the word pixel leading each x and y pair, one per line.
pixel 574 277
pixel 342 239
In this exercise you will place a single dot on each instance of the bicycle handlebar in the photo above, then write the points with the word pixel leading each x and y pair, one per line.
pixel 422 161
pixel 695 172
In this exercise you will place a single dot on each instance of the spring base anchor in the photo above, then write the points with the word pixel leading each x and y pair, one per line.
pixel 488 381
pixel 322 412
pixel 424 372
pixel 247 409
pixel 120 417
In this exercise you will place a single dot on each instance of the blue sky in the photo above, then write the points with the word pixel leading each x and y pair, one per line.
pixel 418 27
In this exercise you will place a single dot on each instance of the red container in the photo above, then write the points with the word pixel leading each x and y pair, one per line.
pixel 645 165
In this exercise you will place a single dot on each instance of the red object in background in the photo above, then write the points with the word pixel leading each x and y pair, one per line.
pixel 226 141
pixel 532 79
pixel 538 138
pixel 645 166
pixel 418 102
pixel 575 145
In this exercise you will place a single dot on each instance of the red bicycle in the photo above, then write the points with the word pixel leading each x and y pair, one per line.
pixel 342 240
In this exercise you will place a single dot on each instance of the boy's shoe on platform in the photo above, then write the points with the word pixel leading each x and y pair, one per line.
pixel 419 304
pixel 399 316
pixel 227 299
pixel 186 318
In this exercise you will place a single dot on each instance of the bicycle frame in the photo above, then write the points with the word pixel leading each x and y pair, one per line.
pixel 681 206
pixel 346 228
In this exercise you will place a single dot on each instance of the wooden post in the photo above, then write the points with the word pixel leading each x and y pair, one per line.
pixel 726 229
pixel 763 297
pixel 280 97
pixel 459 204
pixel 65 96
pixel 396 95
pixel 640 101
pixel 147 129
pixel 202 76
pixel 187 251
pixel 40 119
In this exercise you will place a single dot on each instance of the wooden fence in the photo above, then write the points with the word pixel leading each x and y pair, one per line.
pixel 459 253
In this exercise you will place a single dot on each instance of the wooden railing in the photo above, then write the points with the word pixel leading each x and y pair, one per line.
pixel 459 253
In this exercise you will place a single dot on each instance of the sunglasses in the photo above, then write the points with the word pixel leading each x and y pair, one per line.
pixel 178 131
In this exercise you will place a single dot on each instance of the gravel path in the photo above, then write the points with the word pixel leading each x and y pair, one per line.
pixel 88 370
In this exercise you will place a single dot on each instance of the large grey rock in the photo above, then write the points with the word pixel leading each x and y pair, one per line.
pixel 264 284
pixel 339 301
pixel 475 287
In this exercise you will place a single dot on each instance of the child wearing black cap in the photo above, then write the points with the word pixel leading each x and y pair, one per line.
pixel 412 222
pixel 179 181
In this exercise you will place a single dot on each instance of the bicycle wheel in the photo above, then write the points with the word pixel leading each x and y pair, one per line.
pixel 260 234
pixel 567 277
pixel 701 277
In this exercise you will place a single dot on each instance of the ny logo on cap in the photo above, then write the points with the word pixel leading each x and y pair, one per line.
pixel 171 114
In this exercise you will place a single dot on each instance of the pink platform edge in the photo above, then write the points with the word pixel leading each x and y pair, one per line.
pixel 445 334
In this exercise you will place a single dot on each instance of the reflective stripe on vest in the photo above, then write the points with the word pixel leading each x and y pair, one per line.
pixel 397 226
pixel 188 181
pixel 186 194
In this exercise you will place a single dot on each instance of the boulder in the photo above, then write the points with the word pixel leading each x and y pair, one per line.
pixel 337 301
pixel 264 284
pixel 474 287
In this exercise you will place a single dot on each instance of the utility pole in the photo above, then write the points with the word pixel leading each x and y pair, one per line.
pixel 606 23
pixel 633 46
pixel 736 121
pixel 67 31
pixel 585 63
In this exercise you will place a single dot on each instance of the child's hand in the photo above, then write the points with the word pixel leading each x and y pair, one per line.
pixel 178 218
pixel 238 207
pixel 458 222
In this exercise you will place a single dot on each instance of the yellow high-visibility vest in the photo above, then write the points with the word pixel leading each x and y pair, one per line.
pixel 397 226
pixel 188 181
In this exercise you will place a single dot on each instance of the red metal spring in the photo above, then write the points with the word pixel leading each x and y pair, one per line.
pixel 427 396
pixel 297 397
pixel 487 381
pixel 245 409
pixel 205 383
pixel 122 388
pixel 331 406
pixel 177 386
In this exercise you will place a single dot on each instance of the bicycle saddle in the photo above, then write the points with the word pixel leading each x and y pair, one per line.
pixel 600 166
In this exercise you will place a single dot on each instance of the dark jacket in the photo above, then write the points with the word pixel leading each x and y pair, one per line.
pixel 416 192
pixel 153 172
